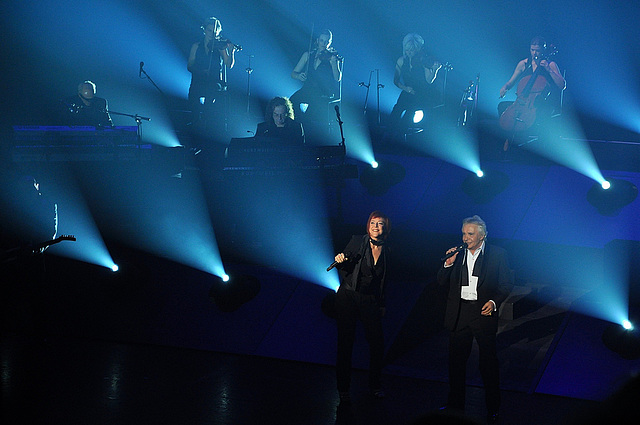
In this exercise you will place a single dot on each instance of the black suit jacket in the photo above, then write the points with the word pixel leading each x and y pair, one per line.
pixel 494 283
pixel 349 270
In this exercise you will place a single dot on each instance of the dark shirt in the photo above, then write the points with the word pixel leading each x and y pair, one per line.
pixel 320 80
pixel 291 134
pixel 206 73
pixel 370 277
pixel 77 113
pixel 414 77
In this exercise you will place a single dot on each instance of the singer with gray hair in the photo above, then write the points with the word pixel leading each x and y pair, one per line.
pixel 478 279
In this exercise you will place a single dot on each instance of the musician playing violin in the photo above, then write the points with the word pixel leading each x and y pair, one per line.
pixel 555 83
pixel 206 60
pixel 320 69
pixel 414 74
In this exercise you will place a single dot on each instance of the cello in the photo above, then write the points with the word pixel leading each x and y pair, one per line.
pixel 521 114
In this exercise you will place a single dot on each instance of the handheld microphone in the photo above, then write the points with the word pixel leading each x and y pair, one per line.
pixel 452 253
pixel 347 255
pixel 140 72
pixel 337 108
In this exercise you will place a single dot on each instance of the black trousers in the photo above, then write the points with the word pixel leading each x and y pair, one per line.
pixel 352 306
pixel 473 325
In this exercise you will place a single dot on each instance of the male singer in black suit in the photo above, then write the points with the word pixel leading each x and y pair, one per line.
pixel 478 279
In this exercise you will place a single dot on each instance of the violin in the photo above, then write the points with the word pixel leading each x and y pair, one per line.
pixel 327 54
pixel 222 43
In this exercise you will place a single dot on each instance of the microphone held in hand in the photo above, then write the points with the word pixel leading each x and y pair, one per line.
pixel 454 252
pixel 335 263
pixel 347 255
pixel 140 72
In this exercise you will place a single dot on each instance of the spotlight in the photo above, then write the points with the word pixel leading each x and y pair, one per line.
pixel 609 202
pixel 418 116
pixel 230 295
pixel 627 325
pixel 374 164
pixel 483 190
pixel 623 341
pixel 606 185
pixel 225 278
pixel 115 268
pixel 379 180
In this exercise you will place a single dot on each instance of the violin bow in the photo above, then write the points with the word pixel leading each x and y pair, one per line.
pixel 306 70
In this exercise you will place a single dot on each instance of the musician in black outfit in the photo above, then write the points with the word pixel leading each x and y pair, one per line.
pixel 206 60
pixel 321 71
pixel 414 74
pixel 526 67
pixel 361 295
pixel 280 123
pixel 30 220
pixel 85 108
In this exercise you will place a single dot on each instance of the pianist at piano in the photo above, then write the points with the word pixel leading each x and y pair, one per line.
pixel 280 123
pixel 85 108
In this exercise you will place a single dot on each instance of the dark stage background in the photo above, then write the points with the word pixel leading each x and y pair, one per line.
pixel 560 245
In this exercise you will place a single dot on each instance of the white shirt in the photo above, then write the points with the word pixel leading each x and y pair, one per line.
pixel 471 292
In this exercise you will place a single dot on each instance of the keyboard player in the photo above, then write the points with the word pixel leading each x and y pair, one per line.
pixel 85 108
pixel 280 123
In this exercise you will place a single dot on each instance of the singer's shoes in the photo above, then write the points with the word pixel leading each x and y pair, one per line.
pixel 379 393
pixel 345 397
pixel 493 418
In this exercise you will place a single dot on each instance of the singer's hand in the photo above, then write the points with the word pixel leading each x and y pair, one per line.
pixel 449 261
pixel 340 258
pixel 487 309
pixel 302 76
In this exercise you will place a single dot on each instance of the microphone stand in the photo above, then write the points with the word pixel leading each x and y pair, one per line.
pixel 150 80
pixel 366 96
pixel 341 132
pixel 136 117
pixel 378 87
pixel 249 70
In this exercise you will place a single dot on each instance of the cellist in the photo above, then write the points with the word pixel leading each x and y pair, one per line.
pixel 555 82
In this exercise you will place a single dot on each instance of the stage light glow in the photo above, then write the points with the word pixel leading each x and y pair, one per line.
pixel 418 116
pixel 610 200
pixel 627 325
pixel 453 145
pixel 374 164
pixel 483 187
pixel 280 234
pixel 380 179
pixel 225 278
pixel 114 268
pixel 606 185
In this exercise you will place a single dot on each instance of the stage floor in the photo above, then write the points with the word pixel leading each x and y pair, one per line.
pixel 70 380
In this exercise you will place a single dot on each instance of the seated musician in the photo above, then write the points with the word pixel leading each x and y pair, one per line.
pixel 414 74
pixel 86 108
pixel 280 123
pixel 555 83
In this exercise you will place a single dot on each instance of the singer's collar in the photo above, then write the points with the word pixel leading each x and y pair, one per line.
pixel 375 242
pixel 479 250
